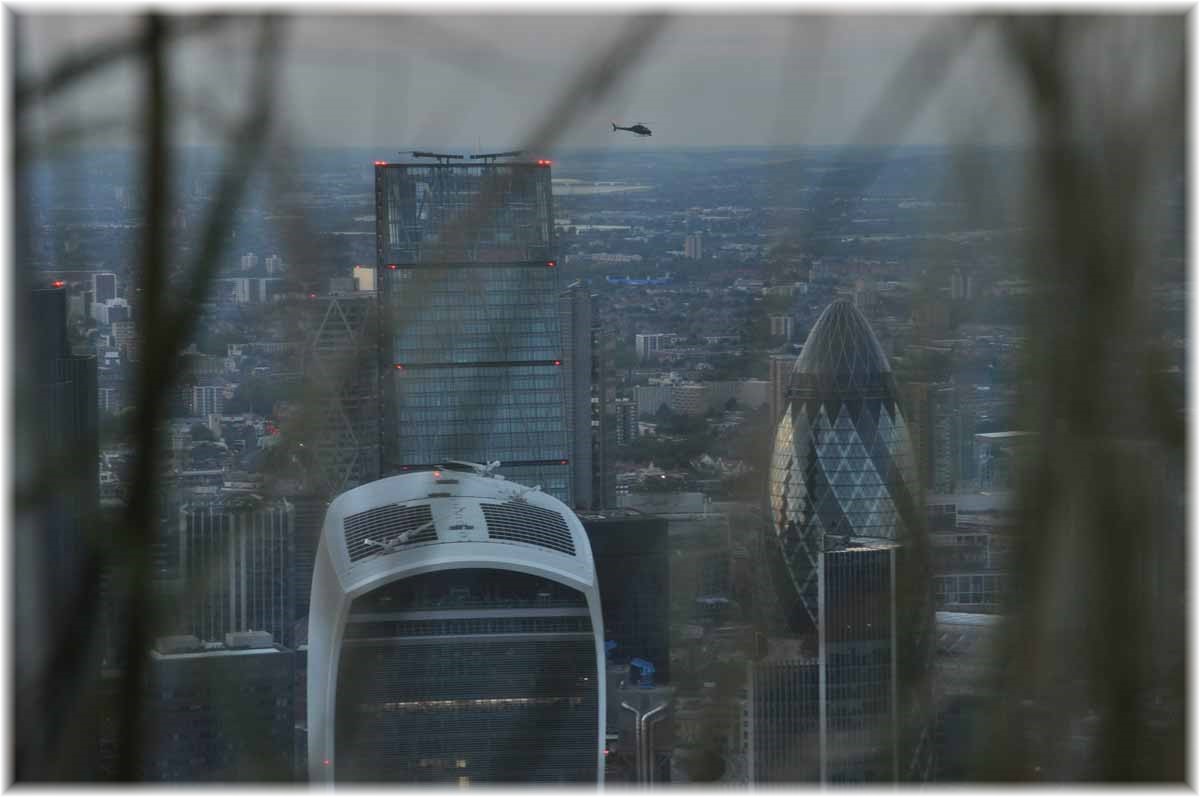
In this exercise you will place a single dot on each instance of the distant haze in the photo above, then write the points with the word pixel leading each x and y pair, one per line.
pixel 467 81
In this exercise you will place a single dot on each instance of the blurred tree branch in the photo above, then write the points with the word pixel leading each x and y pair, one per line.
pixel 93 60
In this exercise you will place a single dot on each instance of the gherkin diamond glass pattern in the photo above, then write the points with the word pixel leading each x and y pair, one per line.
pixel 842 466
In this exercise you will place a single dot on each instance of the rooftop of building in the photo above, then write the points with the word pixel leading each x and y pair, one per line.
pixel 1002 435
pixel 834 544
pixel 429 513
pixel 842 351
pixel 186 646
pixel 623 513
pixel 969 618
pixel 984 501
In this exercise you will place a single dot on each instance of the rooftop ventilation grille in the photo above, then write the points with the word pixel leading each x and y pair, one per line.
pixel 531 525
pixel 384 523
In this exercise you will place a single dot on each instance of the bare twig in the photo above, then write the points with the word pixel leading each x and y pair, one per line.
pixel 98 57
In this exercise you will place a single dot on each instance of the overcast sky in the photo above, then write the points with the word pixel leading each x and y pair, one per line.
pixel 457 82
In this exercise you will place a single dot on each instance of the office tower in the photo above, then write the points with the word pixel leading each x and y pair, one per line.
pixel 784 722
pixel 207 400
pixel 104 286
pixel 67 439
pixel 693 246
pixel 962 286
pixel 633 568
pixel 646 344
pixel 341 390
pixel 933 426
pixel 999 456
pixel 781 326
pixel 575 306
pixel 689 398
pixel 967 666
pixel 125 338
pixel 364 278
pixel 866 296
pixel 651 399
pixel 110 311
pixel 236 561
pixel 842 498
pixel 219 712
pixel 455 636
pixel 469 331
pixel 274 264
pixel 249 261
pixel 625 414
pixel 604 396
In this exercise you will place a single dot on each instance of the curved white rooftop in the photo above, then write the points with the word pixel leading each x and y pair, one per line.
pixel 418 520
pixel 423 522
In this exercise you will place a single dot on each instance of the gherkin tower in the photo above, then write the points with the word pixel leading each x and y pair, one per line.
pixel 849 568
pixel 842 466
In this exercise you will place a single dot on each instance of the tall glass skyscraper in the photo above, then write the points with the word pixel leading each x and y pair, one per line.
pixel 848 558
pixel 238 553
pixel 455 636
pixel 470 327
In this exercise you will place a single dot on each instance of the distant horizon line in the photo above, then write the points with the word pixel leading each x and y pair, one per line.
pixel 374 153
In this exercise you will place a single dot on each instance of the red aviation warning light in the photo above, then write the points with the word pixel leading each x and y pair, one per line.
pixel 543 162
pixel 398 367
pixel 551 263
pixel 381 163
pixel 392 266
pixel 558 362
pixel 57 284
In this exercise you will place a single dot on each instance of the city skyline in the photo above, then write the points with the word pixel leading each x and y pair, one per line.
pixel 700 464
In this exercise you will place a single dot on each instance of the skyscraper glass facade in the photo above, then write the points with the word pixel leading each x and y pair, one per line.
pixel 455 636
pixel 469 675
pixel 784 721
pixel 633 567
pixel 239 557
pixel 341 362
pixel 847 561
pixel 470 326
pixel 842 466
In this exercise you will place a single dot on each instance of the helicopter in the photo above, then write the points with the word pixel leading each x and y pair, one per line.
pixel 639 128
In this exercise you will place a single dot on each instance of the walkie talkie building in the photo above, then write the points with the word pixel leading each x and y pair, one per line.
pixel 455 636
pixel 848 561
pixel 470 328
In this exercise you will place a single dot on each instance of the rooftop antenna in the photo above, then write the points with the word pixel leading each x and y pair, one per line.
pixel 478 468
pixel 441 156
pixel 490 157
